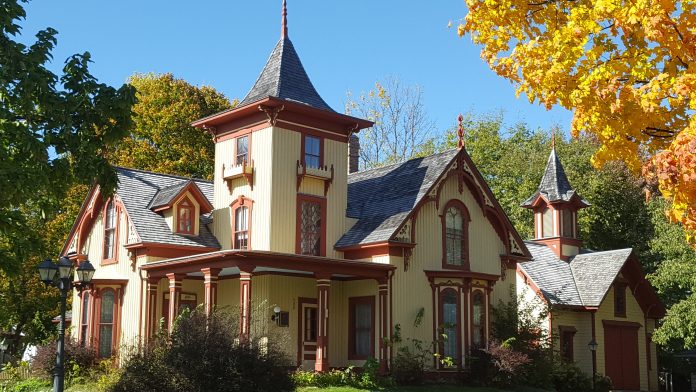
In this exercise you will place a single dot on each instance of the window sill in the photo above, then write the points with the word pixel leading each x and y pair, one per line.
pixel 244 170
pixel 108 261
pixel 325 174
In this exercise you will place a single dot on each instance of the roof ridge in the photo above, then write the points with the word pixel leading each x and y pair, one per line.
pixel 195 179
pixel 399 163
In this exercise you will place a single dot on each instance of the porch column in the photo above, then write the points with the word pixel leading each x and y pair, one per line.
pixel 151 325
pixel 210 277
pixel 383 287
pixel 321 364
pixel 245 273
pixel 175 282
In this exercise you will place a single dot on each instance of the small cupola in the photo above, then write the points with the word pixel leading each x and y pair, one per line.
pixel 555 205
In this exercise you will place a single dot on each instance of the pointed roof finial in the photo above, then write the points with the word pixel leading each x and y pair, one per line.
pixel 460 132
pixel 284 25
pixel 553 138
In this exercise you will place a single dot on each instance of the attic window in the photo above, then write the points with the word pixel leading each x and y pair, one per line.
pixel 242 151
pixel 312 151
pixel 620 299
pixel 110 231
pixel 185 214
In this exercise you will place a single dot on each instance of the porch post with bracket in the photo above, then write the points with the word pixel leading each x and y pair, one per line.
pixel 152 284
pixel 175 282
pixel 245 273
pixel 322 358
pixel 383 287
pixel 210 278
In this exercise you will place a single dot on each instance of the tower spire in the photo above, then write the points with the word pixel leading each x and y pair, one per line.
pixel 553 138
pixel 284 22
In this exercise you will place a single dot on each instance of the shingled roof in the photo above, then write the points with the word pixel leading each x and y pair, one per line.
pixel 582 281
pixel 284 77
pixel 137 190
pixel 554 185
pixel 380 199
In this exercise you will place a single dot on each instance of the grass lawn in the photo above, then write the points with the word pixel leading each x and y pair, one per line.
pixel 439 388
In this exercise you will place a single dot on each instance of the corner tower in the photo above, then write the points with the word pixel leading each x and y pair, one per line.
pixel 555 205
pixel 281 162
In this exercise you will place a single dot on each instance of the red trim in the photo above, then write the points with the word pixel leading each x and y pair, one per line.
pixel 565 332
pixel 323 300
pixel 143 249
pixel 84 322
pixel 191 215
pixel 115 228
pixel 192 189
pixel 457 327
pixel 241 201
pixel 115 323
pixel 484 318
pixel 303 151
pixel 383 249
pixel 352 303
pixel 460 275
pixel 466 218
pixel 623 324
pixel 298 223
pixel 239 135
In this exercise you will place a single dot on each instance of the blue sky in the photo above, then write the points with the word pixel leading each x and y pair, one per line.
pixel 344 45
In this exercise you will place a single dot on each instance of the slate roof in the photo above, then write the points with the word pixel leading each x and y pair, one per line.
pixel 137 190
pixel 284 77
pixel 554 184
pixel 380 199
pixel 165 195
pixel 582 281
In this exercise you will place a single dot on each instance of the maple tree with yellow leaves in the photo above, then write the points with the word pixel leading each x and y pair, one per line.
pixel 627 70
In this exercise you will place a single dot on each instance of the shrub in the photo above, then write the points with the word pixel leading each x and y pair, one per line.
pixel 507 361
pixel 569 378
pixel 602 383
pixel 78 359
pixel 204 354
pixel 30 385
pixel 408 367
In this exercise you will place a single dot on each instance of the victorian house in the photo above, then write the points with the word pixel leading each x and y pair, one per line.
pixel 340 256
pixel 601 310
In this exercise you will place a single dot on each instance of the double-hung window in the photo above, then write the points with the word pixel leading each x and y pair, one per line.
pixel 312 151
pixel 362 327
pixel 242 150
pixel 241 227
pixel 106 323
pixel 110 231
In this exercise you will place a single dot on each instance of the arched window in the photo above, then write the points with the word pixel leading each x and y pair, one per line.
pixel 110 231
pixel 478 319
pixel 547 223
pixel 455 235
pixel 241 228
pixel 241 210
pixel 185 213
pixel 84 319
pixel 450 323
pixel 106 323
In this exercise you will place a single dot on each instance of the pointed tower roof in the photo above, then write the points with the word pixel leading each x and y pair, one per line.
pixel 284 76
pixel 554 185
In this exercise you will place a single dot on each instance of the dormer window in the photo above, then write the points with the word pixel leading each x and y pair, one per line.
pixel 312 151
pixel 185 213
pixel 242 150
pixel 110 231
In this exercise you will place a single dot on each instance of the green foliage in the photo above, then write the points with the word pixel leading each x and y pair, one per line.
pixel 79 361
pixel 162 138
pixel 569 378
pixel 368 378
pixel 31 385
pixel 55 129
pixel 205 354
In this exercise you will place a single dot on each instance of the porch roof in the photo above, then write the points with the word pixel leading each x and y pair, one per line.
pixel 231 261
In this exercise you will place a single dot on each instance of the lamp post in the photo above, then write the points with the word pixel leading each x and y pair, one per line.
pixel 592 345
pixel 60 275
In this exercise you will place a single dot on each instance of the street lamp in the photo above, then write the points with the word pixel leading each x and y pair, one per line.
pixel 59 275
pixel 592 345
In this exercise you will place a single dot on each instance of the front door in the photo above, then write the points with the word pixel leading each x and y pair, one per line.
pixel 621 356
pixel 307 320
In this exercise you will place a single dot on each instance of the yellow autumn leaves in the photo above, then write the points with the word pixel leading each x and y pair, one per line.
pixel 626 69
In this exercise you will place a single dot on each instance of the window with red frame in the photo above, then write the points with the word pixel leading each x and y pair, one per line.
pixel 478 319
pixel 310 324
pixel 310 227
pixel 455 241
pixel 242 150
pixel 84 319
pixel 109 231
pixel 185 217
pixel 312 151
pixel 241 227
pixel 566 343
pixel 106 323
pixel 547 223
pixel 449 323
pixel 620 300
pixel 362 327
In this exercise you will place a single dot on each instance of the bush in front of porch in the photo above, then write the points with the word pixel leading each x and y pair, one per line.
pixel 205 353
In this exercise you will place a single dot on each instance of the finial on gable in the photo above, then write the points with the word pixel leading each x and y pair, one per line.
pixel 460 132
pixel 553 138
pixel 284 25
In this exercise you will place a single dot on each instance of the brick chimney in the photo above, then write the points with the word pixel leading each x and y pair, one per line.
pixel 353 154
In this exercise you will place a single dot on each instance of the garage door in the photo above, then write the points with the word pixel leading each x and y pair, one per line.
pixel 621 355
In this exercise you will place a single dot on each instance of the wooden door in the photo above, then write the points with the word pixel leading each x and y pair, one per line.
pixel 307 326
pixel 621 356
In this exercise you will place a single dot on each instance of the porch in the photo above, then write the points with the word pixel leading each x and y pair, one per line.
pixel 333 312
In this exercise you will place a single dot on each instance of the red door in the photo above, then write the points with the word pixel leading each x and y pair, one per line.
pixel 621 356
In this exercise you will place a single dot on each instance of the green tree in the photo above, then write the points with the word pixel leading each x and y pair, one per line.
pixel 162 138
pixel 54 130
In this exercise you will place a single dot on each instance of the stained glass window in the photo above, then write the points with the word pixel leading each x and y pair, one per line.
pixel 310 228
